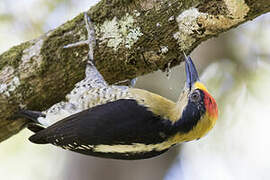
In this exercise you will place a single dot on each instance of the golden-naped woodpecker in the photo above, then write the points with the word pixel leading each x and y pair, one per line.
pixel 123 122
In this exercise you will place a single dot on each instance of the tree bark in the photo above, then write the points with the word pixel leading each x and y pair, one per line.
pixel 134 37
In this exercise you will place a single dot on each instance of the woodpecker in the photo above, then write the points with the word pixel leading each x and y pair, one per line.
pixel 122 122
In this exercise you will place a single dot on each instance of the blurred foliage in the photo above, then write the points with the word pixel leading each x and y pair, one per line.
pixel 26 19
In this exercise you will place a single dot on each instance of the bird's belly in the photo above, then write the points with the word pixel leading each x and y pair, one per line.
pixel 120 151
pixel 125 152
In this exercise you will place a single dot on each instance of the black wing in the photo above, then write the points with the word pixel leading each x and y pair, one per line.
pixel 119 122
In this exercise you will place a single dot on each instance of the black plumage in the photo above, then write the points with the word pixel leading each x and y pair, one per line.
pixel 122 122
pixel 119 122
pixel 192 113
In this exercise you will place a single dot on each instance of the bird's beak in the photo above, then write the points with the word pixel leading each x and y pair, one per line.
pixel 191 73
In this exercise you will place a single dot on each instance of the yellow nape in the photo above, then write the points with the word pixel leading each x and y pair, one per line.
pixel 199 85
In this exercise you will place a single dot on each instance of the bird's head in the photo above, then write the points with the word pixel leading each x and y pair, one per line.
pixel 199 108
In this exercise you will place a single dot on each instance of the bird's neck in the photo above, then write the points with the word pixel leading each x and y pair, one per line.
pixel 177 110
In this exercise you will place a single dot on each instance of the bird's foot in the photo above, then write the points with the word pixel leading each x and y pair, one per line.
pixel 77 44
pixel 75 100
pixel 127 82
pixel 91 72
pixel 91 41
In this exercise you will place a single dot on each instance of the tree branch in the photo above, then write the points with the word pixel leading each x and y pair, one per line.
pixel 134 37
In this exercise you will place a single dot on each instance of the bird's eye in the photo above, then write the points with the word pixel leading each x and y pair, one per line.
pixel 195 96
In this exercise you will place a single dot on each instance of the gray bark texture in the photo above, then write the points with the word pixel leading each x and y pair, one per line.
pixel 134 37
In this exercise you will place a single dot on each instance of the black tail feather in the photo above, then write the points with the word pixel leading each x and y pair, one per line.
pixel 34 127
pixel 32 115
pixel 38 138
